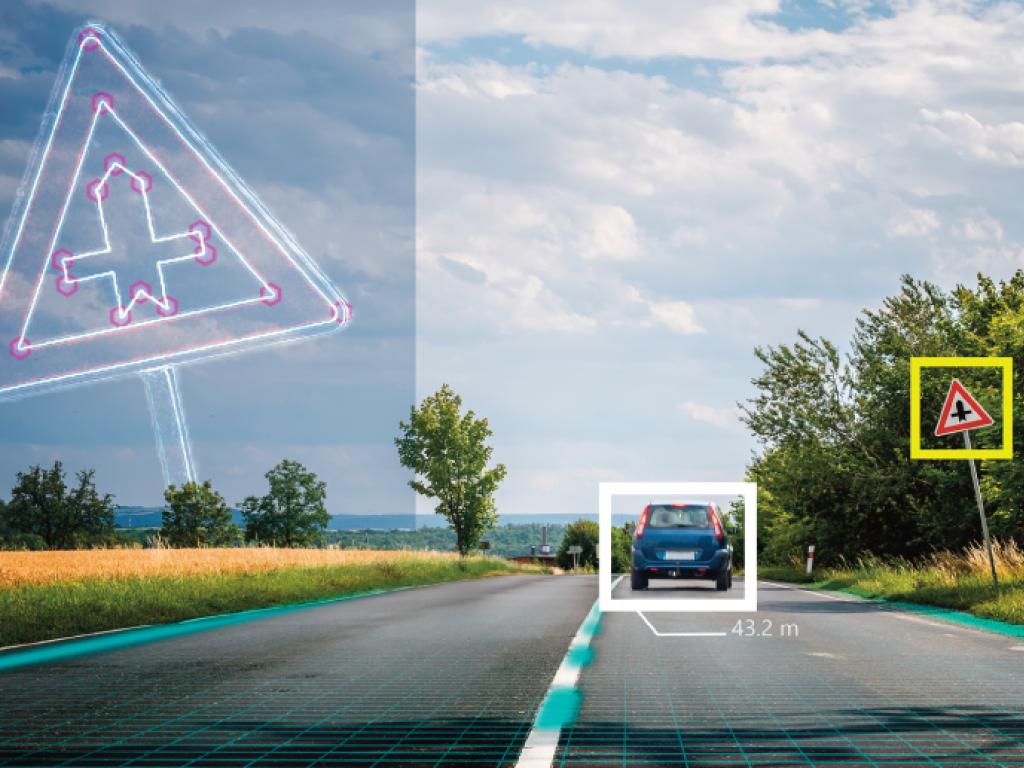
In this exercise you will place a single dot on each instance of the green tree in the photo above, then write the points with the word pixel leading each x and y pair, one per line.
pixel 43 505
pixel 293 513
pixel 834 467
pixel 448 452
pixel 622 548
pixel 197 516
pixel 583 534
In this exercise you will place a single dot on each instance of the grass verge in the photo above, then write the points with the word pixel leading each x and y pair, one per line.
pixel 42 611
pixel 921 584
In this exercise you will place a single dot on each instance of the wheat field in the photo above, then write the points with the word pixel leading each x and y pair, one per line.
pixel 25 568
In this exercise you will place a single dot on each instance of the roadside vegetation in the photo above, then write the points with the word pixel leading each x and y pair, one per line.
pixel 960 581
pixel 834 469
pixel 44 595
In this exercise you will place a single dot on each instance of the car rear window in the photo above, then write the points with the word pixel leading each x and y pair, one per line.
pixel 685 516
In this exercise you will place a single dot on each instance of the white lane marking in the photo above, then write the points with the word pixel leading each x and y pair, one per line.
pixel 824 654
pixel 677 634
pixel 884 610
pixel 815 592
pixel 542 741
pixel 1017 647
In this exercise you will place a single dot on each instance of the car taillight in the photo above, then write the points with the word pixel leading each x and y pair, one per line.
pixel 643 522
pixel 719 532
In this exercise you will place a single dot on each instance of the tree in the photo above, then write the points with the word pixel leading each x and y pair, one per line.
pixel 622 548
pixel 448 452
pixel 197 516
pixel 43 505
pixel 834 469
pixel 583 534
pixel 293 513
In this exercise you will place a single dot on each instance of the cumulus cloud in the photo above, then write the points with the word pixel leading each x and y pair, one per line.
pixel 723 418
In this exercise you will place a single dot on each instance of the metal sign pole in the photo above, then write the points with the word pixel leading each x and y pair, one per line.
pixel 981 511
pixel 172 442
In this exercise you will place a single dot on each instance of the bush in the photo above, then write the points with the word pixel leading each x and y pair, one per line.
pixel 622 549
pixel 584 534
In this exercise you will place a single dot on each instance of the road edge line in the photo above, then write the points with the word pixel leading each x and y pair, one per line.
pixel 948 615
pixel 562 699
pixel 63 648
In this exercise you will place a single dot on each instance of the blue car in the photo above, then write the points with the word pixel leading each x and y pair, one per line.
pixel 681 541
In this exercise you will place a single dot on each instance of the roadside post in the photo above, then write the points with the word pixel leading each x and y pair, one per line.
pixel 961 413
pixel 810 559
pixel 575 550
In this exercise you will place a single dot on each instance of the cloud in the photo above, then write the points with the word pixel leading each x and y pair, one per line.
pixel 737 29
pixel 723 418
pixel 914 222
pixel 678 316
pixel 996 143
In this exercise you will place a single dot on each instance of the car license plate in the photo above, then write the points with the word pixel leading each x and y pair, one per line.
pixel 680 555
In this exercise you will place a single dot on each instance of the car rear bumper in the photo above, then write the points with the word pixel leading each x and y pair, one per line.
pixel 675 569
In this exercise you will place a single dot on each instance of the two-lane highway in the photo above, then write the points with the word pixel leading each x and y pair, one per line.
pixel 453 675
pixel 811 679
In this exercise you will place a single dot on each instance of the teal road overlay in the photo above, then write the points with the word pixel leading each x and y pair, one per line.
pixel 562 701
pixel 51 651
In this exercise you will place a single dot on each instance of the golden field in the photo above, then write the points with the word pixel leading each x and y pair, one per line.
pixel 25 568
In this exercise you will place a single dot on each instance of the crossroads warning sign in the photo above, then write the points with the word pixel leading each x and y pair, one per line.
pixel 961 412
pixel 134 246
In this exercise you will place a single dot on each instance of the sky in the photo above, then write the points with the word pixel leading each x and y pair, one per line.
pixel 615 203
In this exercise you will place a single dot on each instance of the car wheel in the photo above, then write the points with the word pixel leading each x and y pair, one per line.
pixel 638 580
pixel 723 582
pixel 730 579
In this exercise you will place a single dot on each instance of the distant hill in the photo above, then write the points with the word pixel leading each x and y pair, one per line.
pixel 150 517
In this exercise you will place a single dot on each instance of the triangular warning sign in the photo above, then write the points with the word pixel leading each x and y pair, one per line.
pixel 961 412
pixel 133 244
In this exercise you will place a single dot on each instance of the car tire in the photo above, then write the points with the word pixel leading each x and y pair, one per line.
pixel 723 582
pixel 638 581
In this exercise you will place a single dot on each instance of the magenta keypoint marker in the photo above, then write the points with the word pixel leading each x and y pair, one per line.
pixel 19 348
pixel 102 100
pixel 342 312
pixel 114 164
pixel 206 256
pixel 140 287
pixel 67 288
pixel 97 190
pixel 59 257
pixel 168 308
pixel 88 38
pixel 120 316
pixel 142 182
pixel 271 294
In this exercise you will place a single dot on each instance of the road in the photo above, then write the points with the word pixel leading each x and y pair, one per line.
pixel 666 589
pixel 453 675
pixel 838 682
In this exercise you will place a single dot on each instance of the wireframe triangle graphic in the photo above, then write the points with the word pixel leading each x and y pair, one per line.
pixel 961 412
pixel 133 244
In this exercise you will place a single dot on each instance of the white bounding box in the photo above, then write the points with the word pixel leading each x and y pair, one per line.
pixel 606 491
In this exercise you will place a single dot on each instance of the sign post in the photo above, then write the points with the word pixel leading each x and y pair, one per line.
pixel 810 559
pixel 961 413
pixel 575 550
pixel 981 511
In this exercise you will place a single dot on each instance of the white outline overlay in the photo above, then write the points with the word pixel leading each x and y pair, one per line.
pixel 339 309
pixel 684 605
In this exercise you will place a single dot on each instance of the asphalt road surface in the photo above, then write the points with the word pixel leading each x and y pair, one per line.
pixel 452 675
pixel 831 681
pixel 682 589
